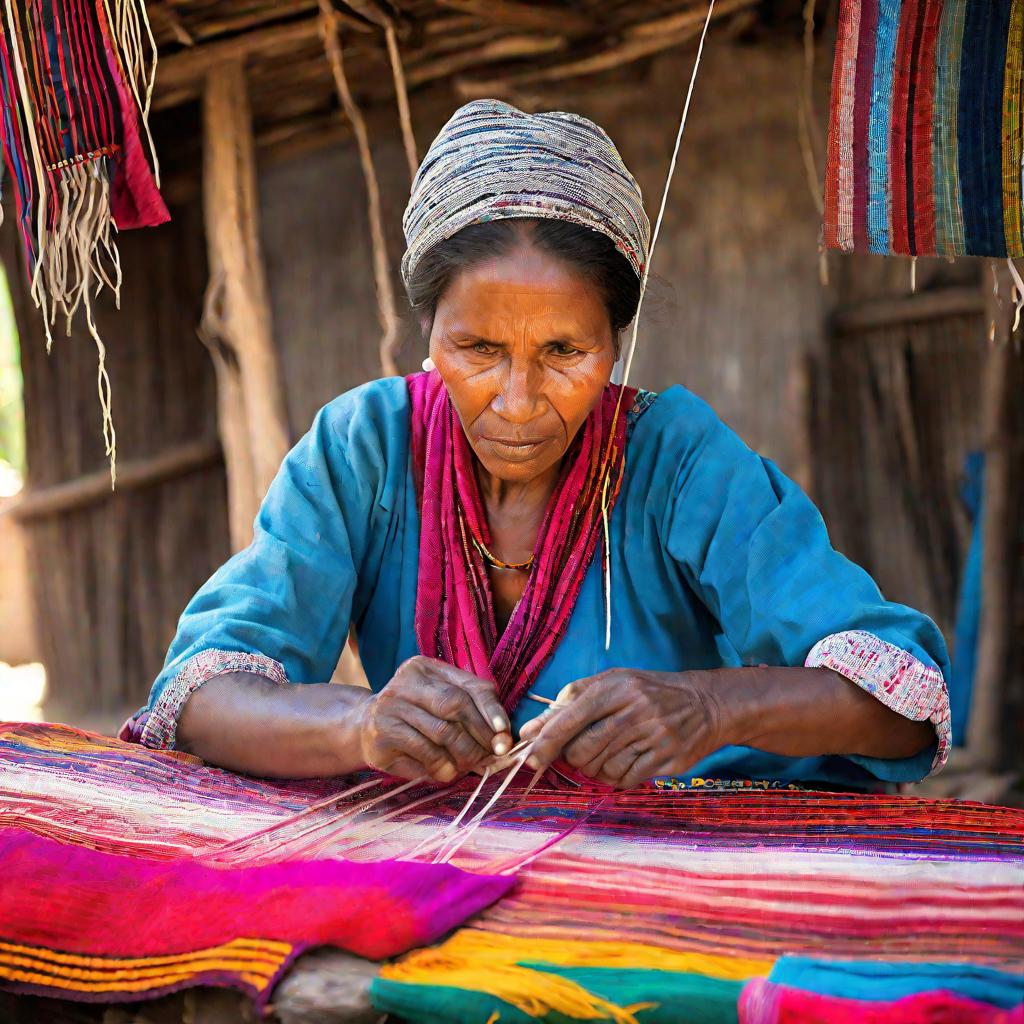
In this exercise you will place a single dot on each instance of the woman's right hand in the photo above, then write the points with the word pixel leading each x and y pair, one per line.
pixel 433 719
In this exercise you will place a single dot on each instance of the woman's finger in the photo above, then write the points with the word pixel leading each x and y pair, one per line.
pixel 593 743
pixel 404 767
pixel 645 768
pixel 480 690
pixel 565 723
pixel 412 743
pixel 617 766
pixel 462 748
pixel 452 703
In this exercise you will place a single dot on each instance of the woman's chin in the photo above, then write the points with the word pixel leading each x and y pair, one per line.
pixel 517 468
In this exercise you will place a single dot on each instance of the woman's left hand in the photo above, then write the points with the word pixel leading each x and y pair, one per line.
pixel 626 726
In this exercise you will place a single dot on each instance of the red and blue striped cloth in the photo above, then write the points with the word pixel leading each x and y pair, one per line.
pixel 925 143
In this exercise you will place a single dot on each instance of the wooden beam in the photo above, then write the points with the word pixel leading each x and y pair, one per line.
pixel 605 58
pixel 523 15
pixel 236 321
pixel 180 75
pixel 909 309
pixel 998 531
pixel 132 475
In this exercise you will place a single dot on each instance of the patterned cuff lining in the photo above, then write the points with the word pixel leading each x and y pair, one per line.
pixel 157 727
pixel 892 675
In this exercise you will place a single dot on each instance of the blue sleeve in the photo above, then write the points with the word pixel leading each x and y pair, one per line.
pixel 282 607
pixel 756 551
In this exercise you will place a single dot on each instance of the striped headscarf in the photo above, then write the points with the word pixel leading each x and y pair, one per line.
pixel 492 161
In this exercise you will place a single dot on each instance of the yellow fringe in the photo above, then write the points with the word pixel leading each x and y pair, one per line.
pixel 487 962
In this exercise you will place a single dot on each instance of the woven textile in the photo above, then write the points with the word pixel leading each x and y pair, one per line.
pixel 74 79
pixel 644 906
pixel 148 918
pixel 925 142
pixel 492 161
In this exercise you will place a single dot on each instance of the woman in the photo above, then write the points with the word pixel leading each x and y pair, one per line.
pixel 510 525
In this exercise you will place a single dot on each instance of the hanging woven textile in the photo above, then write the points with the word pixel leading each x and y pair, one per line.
pixel 76 78
pixel 925 129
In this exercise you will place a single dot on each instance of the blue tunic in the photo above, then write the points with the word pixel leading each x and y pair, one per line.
pixel 718 559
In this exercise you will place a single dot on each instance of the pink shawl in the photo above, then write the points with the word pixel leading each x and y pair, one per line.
pixel 455 619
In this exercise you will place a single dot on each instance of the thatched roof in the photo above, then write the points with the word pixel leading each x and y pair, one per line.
pixel 506 48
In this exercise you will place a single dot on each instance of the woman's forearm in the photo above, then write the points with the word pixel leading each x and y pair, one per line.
pixel 246 723
pixel 804 712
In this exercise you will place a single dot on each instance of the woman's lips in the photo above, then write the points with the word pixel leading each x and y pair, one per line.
pixel 515 450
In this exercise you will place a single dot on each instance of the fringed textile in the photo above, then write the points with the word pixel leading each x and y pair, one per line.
pixel 74 77
pixel 455 619
pixel 925 130
pixel 643 906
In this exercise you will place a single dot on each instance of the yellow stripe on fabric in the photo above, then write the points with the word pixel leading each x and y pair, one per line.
pixel 479 945
pixel 45 980
pixel 949 214
pixel 481 961
pixel 269 948
pixel 152 975
pixel 1013 137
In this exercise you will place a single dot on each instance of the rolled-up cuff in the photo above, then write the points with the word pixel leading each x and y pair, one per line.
pixel 903 683
pixel 156 726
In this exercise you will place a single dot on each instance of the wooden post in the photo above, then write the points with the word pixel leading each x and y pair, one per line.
pixel 237 322
pixel 985 725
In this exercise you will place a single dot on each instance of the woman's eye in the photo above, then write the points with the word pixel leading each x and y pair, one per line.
pixel 483 348
pixel 564 350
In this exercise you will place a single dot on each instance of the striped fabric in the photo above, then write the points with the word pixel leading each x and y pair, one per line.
pixel 642 907
pixel 926 145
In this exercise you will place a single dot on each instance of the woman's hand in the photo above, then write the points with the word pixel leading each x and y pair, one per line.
pixel 626 726
pixel 433 719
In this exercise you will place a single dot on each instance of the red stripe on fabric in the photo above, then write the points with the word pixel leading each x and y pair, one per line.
pixel 833 155
pixel 862 121
pixel 900 241
pixel 91 25
pixel 922 130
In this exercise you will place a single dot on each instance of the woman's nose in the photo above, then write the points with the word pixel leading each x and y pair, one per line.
pixel 519 398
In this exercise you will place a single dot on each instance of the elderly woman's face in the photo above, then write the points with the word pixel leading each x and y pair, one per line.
pixel 525 348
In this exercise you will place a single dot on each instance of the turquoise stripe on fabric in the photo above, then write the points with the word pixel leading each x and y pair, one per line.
pixel 879 186
pixel 880 982
pixel 949 217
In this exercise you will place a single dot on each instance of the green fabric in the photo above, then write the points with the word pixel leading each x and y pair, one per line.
pixel 438 1004
pixel 680 998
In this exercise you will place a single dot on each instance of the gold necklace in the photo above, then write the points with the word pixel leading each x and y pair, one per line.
pixel 498 563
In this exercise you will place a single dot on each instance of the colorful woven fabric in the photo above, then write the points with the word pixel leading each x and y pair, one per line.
pixel 73 88
pixel 492 161
pixel 763 1002
pixel 925 143
pixel 124 927
pixel 455 619
pixel 622 901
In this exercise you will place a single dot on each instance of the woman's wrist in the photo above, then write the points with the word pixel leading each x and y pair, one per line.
pixel 344 727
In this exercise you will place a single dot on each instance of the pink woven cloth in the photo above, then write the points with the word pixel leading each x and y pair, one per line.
pixel 455 619
pixel 83 924
pixel 764 1002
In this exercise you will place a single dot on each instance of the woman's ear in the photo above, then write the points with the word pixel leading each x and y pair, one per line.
pixel 426 324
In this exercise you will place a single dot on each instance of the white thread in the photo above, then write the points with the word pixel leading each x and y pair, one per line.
pixel 647 270
pixel 1018 295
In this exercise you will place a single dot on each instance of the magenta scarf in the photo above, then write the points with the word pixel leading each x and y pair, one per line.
pixel 454 606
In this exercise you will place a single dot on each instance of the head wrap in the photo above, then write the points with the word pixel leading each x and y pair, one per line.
pixel 492 161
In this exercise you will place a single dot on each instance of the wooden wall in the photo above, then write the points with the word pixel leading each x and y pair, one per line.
pixel 111 577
